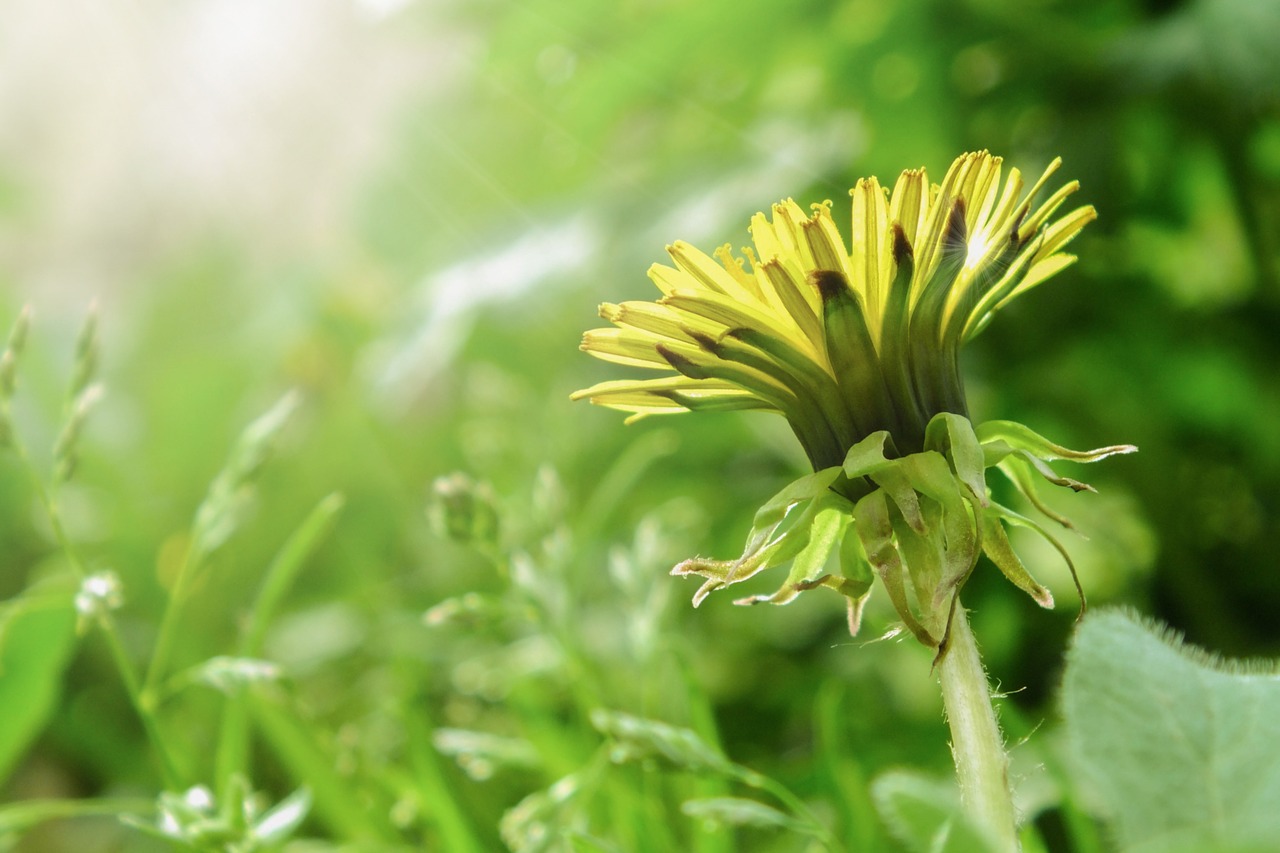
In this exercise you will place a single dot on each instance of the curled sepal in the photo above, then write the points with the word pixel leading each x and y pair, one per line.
pixel 996 545
pixel 1045 470
pixel 895 483
pixel 875 528
pixel 1021 476
pixel 1020 437
pixel 922 554
pixel 1022 521
pixel 932 477
pixel 953 436
pixel 823 536
pixel 855 578
pixel 1023 456
pixel 782 530
pixel 831 527
pixel 775 510
pixel 867 456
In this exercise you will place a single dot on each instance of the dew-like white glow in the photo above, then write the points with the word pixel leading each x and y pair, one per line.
pixel 977 249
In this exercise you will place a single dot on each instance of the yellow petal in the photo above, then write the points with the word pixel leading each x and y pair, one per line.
pixel 1062 231
pixel 825 243
pixel 709 274
pixel 1033 222
pixel 985 192
pixel 798 300
pixel 668 279
pixel 632 348
pixel 623 390
pixel 661 320
pixel 1039 272
pixel 909 204
pixel 787 220
pixel 867 273
pixel 722 309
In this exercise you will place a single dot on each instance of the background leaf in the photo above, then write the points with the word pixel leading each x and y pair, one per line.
pixel 925 815
pixel 37 645
pixel 1183 750
pixel 738 811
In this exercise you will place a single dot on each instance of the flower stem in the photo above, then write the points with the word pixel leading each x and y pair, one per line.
pixel 976 745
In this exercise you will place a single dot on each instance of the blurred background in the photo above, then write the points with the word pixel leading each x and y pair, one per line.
pixel 408 211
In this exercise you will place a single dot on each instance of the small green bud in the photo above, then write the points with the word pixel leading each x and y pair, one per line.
pixel 219 514
pixel 9 358
pixel 8 374
pixel 21 327
pixel 65 449
pixel 86 355
pixel 463 510
pixel 99 594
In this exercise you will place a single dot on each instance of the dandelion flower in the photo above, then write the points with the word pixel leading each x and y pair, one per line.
pixel 857 345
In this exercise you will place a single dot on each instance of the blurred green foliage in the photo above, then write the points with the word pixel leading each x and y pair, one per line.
pixel 568 144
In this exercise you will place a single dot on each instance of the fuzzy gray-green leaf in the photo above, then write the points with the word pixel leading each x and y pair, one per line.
pixel 926 816
pixel 1182 749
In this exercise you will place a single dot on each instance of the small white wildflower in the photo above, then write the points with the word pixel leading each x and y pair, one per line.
pixel 229 673
pixel 198 797
pixel 169 823
pixel 99 594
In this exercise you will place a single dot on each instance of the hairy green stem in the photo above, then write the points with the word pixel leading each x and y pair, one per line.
pixel 976 745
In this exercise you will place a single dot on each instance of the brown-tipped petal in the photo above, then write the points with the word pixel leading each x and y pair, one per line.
pixel 798 300
pixel 625 346
pixel 825 244
pixel 909 204
pixel 720 309
pixel 852 353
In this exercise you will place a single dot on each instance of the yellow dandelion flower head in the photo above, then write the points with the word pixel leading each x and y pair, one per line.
pixel 844 339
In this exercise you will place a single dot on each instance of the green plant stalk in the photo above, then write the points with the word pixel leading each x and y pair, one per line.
pixel 232 754
pixel 844 772
pixel 168 626
pixel 119 657
pixel 812 824
pixel 22 816
pixel 309 759
pixel 438 796
pixel 977 748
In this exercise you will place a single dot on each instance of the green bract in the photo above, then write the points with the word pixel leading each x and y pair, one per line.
pixel 858 348
pixel 920 525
